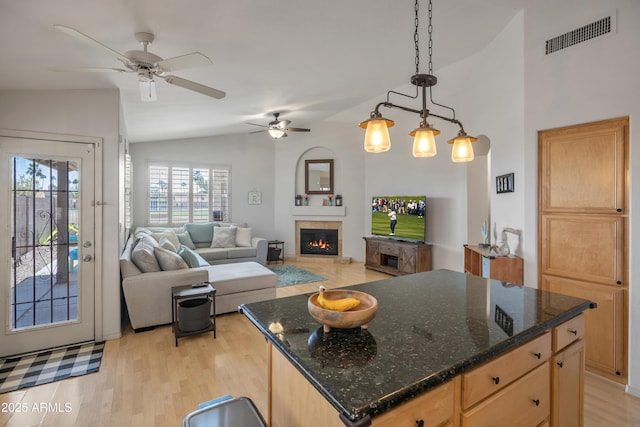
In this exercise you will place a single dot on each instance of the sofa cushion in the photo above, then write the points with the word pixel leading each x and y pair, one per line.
pixel 167 244
pixel 169 260
pixel 241 252
pixel 143 256
pixel 185 239
pixel 243 236
pixel 200 232
pixel 192 258
pixel 169 235
pixel 224 237
pixel 212 254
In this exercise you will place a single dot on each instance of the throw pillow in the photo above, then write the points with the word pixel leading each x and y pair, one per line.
pixel 170 235
pixel 167 244
pixel 169 260
pixel 185 239
pixel 142 237
pixel 191 257
pixel 243 236
pixel 224 237
pixel 200 232
pixel 144 258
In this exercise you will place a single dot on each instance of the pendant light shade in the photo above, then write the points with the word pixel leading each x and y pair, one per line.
pixel 462 150
pixel 424 141
pixel 376 138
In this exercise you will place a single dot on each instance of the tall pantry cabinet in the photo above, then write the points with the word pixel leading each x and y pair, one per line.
pixel 583 227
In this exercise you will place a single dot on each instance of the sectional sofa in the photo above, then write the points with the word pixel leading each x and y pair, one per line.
pixel 155 259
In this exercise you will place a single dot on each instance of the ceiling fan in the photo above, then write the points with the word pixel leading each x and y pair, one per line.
pixel 147 65
pixel 278 128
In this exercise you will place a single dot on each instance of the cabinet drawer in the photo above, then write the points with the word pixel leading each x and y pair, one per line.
pixel 568 332
pixel 389 249
pixel 433 408
pixel 526 402
pixel 500 372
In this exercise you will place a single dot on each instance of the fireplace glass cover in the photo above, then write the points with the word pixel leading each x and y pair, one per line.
pixel 318 241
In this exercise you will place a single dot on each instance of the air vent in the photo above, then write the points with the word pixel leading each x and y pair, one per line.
pixel 598 28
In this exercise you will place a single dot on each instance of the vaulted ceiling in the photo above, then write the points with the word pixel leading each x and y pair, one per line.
pixel 308 60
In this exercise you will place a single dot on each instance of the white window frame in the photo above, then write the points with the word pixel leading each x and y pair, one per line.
pixel 224 206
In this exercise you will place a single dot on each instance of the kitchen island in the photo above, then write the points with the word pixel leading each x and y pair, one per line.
pixel 445 348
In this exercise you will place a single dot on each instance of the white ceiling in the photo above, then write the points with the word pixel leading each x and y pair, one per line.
pixel 309 60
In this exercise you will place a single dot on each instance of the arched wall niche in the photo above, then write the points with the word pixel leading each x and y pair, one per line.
pixel 315 153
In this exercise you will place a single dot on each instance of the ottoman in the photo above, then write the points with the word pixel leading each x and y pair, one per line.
pixel 241 283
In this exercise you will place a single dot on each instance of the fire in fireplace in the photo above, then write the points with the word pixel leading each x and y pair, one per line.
pixel 318 241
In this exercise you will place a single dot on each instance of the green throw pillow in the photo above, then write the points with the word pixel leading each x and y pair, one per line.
pixel 185 239
pixel 200 232
pixel 192 258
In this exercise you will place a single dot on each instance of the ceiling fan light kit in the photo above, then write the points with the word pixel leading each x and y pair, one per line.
pixel 278 128
pixel 377 140
pixel 147 65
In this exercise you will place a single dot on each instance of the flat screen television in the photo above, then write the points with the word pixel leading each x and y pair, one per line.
pixel 409 213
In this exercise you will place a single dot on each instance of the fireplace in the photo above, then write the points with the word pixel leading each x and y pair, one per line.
pixel 315 241
pixel 319 240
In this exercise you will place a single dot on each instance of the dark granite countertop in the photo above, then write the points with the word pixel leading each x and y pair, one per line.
pixel 430 327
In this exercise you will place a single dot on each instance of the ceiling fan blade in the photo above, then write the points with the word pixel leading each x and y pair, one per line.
pixel 258 131
pixel 297 130
pixel 147 90
pixel 196 87
pixel 190 60
pixel 255 124
pixel 86 39
pixel 88 69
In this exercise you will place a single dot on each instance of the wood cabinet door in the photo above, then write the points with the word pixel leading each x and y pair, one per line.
pixel 583 167
pixel 567 385
pixel 588 247
pixel 604 326
pixel 373 253
pixel 407 259
pixel 583 230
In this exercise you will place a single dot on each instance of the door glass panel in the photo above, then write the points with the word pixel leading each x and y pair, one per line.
pixel 44 223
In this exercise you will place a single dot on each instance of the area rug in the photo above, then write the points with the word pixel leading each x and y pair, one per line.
pixel 49 366
pixel 292 275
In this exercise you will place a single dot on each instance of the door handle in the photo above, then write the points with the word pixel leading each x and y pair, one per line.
pixel 87 258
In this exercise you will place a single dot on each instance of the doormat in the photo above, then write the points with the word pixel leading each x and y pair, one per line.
pixel 292 275
pixel 48 366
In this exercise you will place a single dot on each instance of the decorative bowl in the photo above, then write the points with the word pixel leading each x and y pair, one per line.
pixel 359 316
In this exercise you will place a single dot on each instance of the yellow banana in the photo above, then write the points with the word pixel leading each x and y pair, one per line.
pixel 343 304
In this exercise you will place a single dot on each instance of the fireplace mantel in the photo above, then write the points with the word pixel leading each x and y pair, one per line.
pixel 319 211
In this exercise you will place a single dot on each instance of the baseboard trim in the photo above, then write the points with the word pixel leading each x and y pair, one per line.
pixel 634 391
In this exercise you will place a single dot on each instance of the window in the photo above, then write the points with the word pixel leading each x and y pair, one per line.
pixel 179 193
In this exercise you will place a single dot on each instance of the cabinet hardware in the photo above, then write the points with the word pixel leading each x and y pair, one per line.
pixel 538 355
pixel 619 282
pixel 419 423
pixel 618 210
pixel 560 364
pixel 496 380
pixel 537 402
pixel 573 331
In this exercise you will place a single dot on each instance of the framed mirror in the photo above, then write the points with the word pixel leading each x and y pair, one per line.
pixel 318 176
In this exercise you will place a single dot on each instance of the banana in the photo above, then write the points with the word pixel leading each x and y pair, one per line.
pixel 343 304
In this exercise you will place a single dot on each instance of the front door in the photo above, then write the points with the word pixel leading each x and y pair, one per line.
pixel 46 244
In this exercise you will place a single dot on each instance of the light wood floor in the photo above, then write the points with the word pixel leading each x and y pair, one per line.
pixel 144 380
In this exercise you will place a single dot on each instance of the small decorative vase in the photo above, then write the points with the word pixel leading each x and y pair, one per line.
pixel 306 202
pixel 330 202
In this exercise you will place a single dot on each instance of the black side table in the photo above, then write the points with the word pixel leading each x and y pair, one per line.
pixel 188 292
pixel 275 253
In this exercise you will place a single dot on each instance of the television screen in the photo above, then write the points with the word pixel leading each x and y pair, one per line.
pixel 400 217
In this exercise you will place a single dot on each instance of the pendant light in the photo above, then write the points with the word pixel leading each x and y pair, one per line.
pixel 377 140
